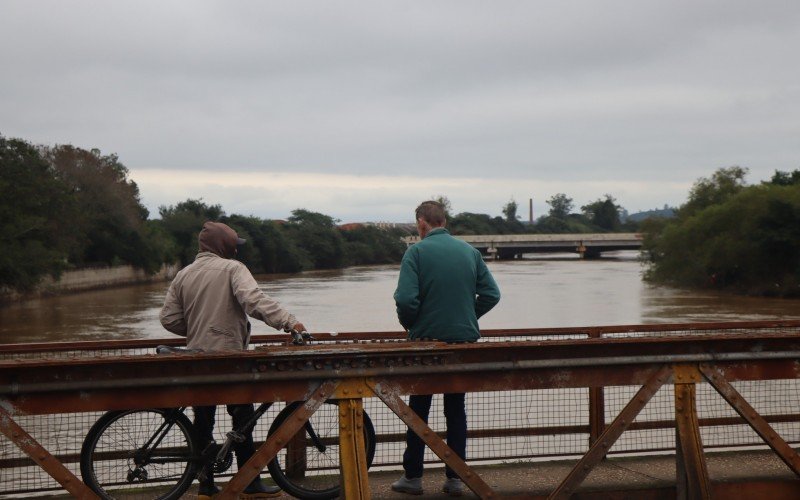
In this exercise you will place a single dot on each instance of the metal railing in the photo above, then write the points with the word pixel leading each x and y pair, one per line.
pixel 532 393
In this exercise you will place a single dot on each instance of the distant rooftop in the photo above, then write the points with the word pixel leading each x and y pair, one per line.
pixel 405 226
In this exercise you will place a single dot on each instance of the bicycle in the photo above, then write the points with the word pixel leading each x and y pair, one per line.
pixel 155 452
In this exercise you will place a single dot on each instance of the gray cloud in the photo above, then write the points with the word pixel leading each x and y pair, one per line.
pixel 555 91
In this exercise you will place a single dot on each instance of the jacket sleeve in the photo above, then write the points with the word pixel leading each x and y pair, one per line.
pixel 171 316
pixel 258 304
pixel 406 296
pixel 488 293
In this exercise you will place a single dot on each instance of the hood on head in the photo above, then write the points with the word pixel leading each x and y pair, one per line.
pixel 220 239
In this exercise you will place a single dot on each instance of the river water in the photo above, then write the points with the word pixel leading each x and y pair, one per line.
pixel 551 291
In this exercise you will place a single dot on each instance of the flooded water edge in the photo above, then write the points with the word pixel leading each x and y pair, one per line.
pixel 538 292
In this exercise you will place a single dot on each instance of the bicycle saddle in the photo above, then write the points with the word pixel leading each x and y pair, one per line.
pixel 166 349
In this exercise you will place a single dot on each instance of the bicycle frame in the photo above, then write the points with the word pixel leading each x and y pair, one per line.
pixel 155 441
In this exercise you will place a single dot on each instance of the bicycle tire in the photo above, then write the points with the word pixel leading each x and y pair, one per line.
pixel 324 482
pixel 108 455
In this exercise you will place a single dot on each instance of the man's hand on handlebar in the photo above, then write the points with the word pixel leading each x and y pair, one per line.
pixel 299 334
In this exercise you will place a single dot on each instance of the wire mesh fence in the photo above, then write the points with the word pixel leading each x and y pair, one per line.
pixel 504 426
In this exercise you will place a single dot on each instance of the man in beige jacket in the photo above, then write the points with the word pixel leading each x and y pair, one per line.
pixel 208 302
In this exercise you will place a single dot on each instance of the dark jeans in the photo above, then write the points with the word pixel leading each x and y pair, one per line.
pixel 456 417
pixel 204 426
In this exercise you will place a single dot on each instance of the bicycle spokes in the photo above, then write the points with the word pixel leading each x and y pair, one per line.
pixel 315 438
pixel 148 453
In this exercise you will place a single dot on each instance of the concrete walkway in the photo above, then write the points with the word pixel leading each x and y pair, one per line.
pixel 640 477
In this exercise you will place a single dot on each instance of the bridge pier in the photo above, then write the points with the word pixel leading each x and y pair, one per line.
pixel 507 253
pixel 588 253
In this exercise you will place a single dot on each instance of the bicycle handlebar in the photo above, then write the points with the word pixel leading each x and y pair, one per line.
pixel 300 338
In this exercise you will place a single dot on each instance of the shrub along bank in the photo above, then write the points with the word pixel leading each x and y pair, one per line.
pixel 730 235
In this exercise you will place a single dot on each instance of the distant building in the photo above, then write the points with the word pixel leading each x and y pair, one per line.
pixel 406 227
pixel 350 226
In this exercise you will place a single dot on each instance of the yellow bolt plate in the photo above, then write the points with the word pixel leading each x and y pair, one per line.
pixel 686 374
pixel 353 388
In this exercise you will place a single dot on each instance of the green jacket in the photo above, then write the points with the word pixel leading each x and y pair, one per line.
pixel 443 288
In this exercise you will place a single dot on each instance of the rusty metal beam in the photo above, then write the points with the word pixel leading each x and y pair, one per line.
pixel 607 439
pixel 85 378
pixel 391 398
pixel 85 384
pixel 597 413
pixel 82 384
pixel 692 471
pixel 590 331
pixel 292 390
pixel 597 407
pixel 42 457
pixel 266 452
pixel 727 347
pixel 352 452
pixel 756 421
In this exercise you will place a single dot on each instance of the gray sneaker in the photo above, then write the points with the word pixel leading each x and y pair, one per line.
pixel 409 486
pixel 453 487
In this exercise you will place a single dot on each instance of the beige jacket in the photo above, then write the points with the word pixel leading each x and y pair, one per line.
pixel 209 300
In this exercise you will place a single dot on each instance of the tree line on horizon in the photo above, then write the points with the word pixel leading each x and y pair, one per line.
pixel 600 216
pixel 63 207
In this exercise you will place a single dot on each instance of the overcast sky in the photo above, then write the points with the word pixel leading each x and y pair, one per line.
pixel 361 110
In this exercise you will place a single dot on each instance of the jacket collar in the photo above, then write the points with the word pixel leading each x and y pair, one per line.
pixel 207 255
pixel 437 230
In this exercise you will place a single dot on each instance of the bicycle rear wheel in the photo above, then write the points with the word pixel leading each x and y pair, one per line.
pixel 308 467
pixel 134 454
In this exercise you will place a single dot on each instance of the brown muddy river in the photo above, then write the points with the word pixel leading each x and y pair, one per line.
pixel 541 292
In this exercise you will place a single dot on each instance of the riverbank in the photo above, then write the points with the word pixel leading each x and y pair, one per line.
pixel 95 278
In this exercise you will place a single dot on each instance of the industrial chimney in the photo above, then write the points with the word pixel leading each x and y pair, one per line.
pixel 530 210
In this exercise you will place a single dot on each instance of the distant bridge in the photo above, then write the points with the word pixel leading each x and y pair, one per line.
pixel 587 245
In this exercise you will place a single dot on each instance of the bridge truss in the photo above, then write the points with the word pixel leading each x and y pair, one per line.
pixel 569 392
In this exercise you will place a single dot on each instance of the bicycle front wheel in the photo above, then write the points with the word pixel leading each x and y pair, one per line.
pixel 140 454
pixel 308 467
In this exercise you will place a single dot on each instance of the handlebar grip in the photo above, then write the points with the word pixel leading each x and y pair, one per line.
pixel 300 338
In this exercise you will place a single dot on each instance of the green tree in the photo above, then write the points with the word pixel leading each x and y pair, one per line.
pixel 184 221
pixel 750 243
pixel 268 248
pixel 303 217
pixel 560 205
pixel 36 216
pixel 510 211
pixel 468 223
pixel 371 245
pixel 161 246
pixel 573 223
pixel 781 178
pixel 111 217
pixel 603 213
pixel 316 235
pixel 721 186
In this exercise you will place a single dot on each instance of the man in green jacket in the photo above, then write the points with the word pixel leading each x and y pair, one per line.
pixel 443 288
